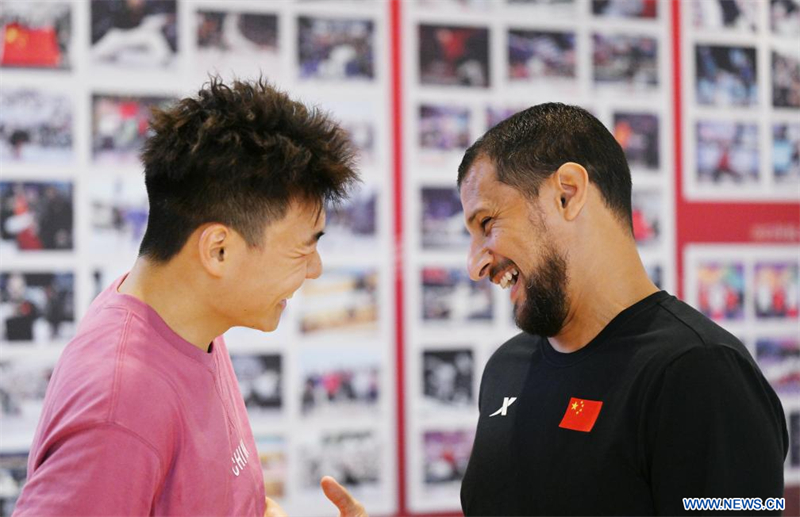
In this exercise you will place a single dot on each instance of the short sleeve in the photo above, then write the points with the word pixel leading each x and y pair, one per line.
pixel 717 429
pixel 103 470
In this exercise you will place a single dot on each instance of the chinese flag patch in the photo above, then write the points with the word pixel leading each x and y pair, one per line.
pixel 581 414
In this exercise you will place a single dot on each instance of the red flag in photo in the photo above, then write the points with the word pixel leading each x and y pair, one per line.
pixel 26 46
pixel 581 414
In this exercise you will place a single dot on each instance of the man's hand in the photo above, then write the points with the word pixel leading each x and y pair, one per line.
pixel 273 509
pixel 338 495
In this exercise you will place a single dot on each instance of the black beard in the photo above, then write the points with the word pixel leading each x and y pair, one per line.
pixel 546 305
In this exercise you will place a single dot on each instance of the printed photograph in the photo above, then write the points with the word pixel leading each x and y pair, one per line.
pixel 35 127
pixel 120 126
pixel 495 115
pixel 443 220
pixel 785 80
pixel 451 55
pixel 353 225
pixel 340 382
pixel 779 360
pixel 625 62
pixel 786 153
pixel 558 9
pixel 726 76
pixel 35 216
pixel 444 128
pixel 13 474
pixel 727 152
pixel 35 35
pixel 260 382
pixel 134 33
pixel 638 134
pixel 446 454
pixel 234 43
pixel 351 457
pixel 776 289
pixel 343 299
pixel 647 212
pixel 541 56
pixel 720 290
pixel 643 9
pixel 450 297
pixel 23 383
pixel 37 307
pixel 784 17
pixel 736 15
pixel 336 48
pixel 118 214
pixel 448 377
pixel 274 464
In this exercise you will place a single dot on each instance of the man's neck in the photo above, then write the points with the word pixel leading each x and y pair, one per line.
pixel 169 290
pixel 600 296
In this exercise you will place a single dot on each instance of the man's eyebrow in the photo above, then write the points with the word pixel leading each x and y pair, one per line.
pixel 475 214
pixel 314 238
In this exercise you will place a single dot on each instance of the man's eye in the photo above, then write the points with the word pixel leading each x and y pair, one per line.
pixel 484 223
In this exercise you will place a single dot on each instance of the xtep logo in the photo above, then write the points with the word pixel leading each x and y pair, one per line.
pixel 507 401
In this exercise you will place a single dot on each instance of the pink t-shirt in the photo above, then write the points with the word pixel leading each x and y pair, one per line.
pixel 138 421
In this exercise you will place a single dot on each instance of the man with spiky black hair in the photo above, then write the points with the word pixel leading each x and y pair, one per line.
pixel 143 414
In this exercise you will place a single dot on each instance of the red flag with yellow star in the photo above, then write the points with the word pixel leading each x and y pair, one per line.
pixel 26 46
pixel 581 414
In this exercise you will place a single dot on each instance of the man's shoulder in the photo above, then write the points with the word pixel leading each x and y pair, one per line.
pixel 515 351
pixel 505 372
pixel 102 377
pixel 91 356
pixel 688 330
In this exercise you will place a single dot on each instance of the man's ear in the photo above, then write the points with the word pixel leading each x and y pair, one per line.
pixel 212 246
pixel 572 187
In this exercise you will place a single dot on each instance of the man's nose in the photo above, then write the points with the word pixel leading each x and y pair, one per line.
pixel 314 269
pixel 478 262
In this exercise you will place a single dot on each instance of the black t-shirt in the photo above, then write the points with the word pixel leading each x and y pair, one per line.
pixel 685 413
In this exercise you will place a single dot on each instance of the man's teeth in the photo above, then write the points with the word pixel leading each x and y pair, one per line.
pixel 509 279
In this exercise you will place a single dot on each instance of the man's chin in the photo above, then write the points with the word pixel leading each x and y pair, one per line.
pixel 267 325
pixel 524 322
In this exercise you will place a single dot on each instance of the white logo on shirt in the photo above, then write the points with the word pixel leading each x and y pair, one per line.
pixel 239 458
pixel 507 401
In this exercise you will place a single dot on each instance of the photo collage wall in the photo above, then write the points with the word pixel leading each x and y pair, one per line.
pixel 79 79
pixel 741 85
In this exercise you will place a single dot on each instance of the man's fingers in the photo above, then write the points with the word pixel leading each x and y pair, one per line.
pixel 338 495
pixel 273 509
